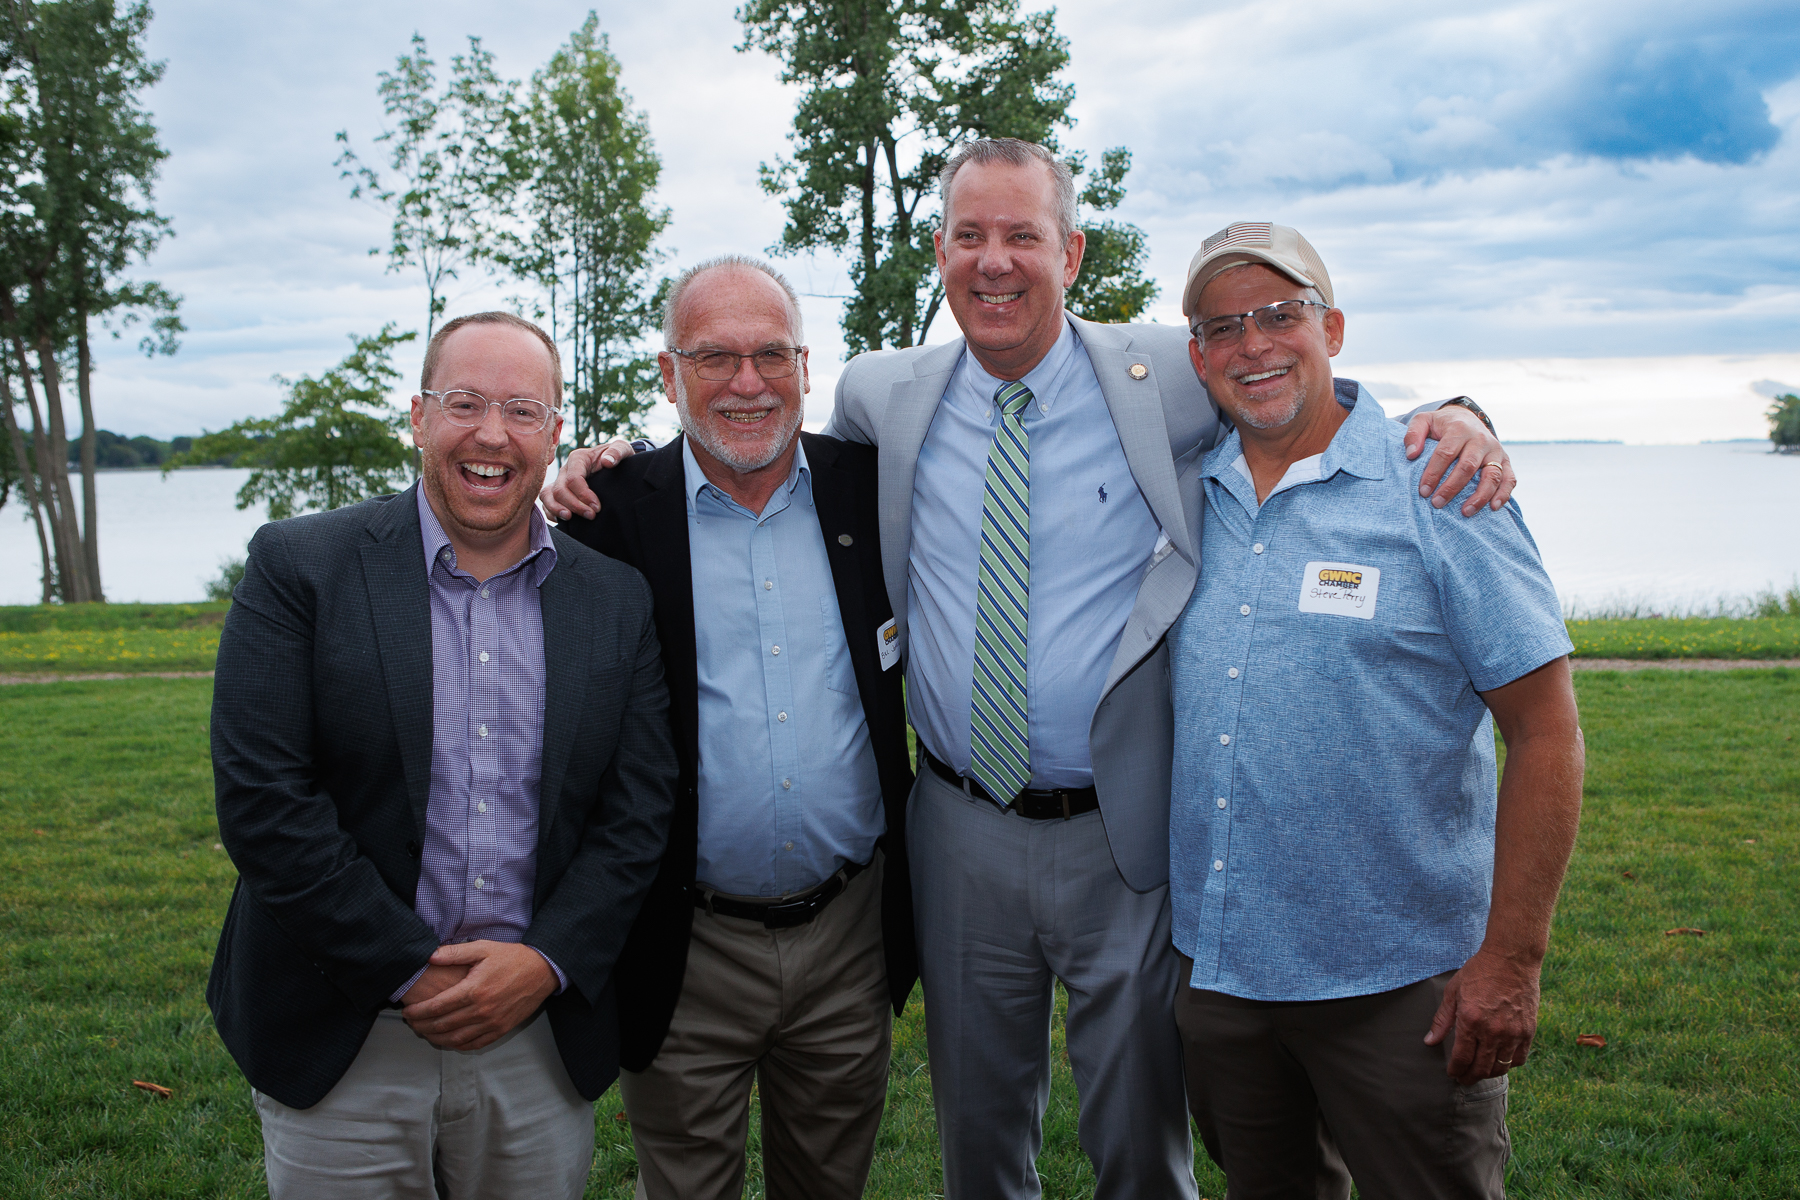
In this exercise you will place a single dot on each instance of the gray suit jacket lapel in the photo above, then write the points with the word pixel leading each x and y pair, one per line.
pixel 912 403
pixel 1137 413
pixel 393 563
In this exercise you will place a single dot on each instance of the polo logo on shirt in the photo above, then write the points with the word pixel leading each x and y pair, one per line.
pixel 1340 589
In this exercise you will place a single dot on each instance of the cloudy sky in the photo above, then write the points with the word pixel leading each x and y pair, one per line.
pixel 1583 214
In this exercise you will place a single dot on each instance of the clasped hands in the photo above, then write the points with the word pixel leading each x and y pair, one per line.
pixel 474 993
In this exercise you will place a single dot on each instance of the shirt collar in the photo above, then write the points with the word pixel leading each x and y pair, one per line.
pixel 1359 447
pixel 696 480
pixel 541 555
pixel 1044 379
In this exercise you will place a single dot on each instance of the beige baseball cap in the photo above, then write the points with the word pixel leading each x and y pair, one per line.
pixel 1254 241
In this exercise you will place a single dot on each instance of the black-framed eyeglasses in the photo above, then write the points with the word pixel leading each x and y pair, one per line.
pixel 468 409
pixel 772 362
pixel 1284 316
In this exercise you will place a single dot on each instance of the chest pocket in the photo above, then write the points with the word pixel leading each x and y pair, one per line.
pixel 840 674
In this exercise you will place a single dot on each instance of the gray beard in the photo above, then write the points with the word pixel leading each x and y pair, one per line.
pixel 734 459
pixel 1271 420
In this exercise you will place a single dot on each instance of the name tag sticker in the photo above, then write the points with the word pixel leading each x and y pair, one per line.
pixel 887 644
pixel 1346 589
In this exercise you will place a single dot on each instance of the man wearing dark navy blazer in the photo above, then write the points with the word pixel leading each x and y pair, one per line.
pixel 777 941
pixel 437 869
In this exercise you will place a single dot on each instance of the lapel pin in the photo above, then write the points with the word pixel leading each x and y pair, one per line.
pixel 1137 370
pixel 845 539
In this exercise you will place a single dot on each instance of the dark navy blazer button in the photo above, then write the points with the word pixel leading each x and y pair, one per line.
pixel 413 848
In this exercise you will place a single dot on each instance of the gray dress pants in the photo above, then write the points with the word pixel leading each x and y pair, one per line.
pixel 1004 907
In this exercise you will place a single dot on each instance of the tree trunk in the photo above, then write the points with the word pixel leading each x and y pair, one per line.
pixel 90 504
pixel 71 564
pixel 26 478
pixel 47 494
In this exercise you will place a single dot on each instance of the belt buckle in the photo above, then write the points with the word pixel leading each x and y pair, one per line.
pixel 794 912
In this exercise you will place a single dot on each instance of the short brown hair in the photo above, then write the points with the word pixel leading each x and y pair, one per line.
pixel 1016 153
pixel 436 346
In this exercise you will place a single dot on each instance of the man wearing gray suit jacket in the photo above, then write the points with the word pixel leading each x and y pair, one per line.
pixel 1039 825
pixel 1037 543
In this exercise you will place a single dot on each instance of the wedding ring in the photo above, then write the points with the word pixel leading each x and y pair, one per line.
pixel 1505 1062
pixel 1486 465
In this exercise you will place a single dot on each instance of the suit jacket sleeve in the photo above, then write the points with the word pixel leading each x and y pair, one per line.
pixel 581 924
pixel 851 420
pixel 278 823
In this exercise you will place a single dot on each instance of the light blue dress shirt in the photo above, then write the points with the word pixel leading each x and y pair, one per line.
pixel 1332 819
pixel 1092 535
pixel 789 791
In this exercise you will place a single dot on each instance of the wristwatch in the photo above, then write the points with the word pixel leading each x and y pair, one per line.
pixel 1465 402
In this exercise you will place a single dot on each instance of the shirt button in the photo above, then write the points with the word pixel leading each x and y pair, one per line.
pixel 481 806
pixel 484 593
pixel 781 716
pixel 1244 608
pixel 768 584
pixel 1224 739
pixel 1221 802
pixel 787 783
pixel 789 846
pixel 479 883
pixel 776 650
pixel 1232 673
pixel 484 656
pixel 1218 864
pixel 482 731
pixel 1256 549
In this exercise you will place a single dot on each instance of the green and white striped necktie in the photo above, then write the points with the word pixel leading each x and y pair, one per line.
pixel 1000 748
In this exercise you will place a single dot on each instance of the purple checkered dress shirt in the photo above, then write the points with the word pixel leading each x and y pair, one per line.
pixel 479 863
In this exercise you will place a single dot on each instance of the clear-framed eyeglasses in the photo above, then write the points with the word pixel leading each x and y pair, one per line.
pixel 772 362
pixel 468 409
pixel 1284 316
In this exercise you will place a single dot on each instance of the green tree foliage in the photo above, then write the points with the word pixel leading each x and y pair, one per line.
pixel 889 87
pixel 1784 422
pixel 1111 286
pixel 335 442
pixel 78 160
pixel 584 167
pixel 446 159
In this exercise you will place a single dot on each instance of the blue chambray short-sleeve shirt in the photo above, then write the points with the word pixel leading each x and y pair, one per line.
pixel 1332 824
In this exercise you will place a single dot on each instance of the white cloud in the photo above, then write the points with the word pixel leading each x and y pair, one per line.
pixel 1408 142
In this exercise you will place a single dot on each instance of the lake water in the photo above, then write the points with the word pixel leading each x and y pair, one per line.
pixel 1668 526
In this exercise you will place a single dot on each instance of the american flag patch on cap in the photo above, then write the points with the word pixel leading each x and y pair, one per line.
pixel 1244 233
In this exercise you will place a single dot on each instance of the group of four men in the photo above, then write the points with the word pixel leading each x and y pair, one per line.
pixel 510 816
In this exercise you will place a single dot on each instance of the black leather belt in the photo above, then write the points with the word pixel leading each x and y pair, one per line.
pixel 783 912
pixel 1055 804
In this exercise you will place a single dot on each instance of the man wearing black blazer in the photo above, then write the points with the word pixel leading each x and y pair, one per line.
pixel 777 936
pixel 437 868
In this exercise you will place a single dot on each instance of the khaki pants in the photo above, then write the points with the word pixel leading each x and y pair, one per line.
pixel 804 1014
pixel 412 1122
pixel 1294 1099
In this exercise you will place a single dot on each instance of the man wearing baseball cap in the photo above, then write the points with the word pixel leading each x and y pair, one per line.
pixel 1361 921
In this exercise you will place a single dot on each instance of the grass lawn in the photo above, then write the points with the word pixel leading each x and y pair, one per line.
pixel 59 638
pixel 111 895
pixel 68 639
pixel 1688 637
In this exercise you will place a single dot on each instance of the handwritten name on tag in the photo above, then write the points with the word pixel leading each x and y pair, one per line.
pixel 1346 589
pixel 887 644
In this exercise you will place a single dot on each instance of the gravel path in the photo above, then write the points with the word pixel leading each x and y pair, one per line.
pixel 1579 664
pixel 1679 664
pixel 6 679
